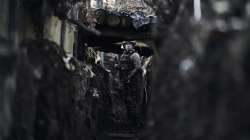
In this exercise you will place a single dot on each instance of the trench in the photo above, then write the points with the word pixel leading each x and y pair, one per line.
pixel 60 70
pixel 66 85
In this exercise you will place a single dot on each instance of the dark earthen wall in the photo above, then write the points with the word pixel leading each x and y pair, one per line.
pixel 48 101
pixel 208 99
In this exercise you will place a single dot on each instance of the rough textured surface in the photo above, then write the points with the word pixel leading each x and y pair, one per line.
pixel 56 96
pixel 201 78
pixel 49 90
pixel 42 92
